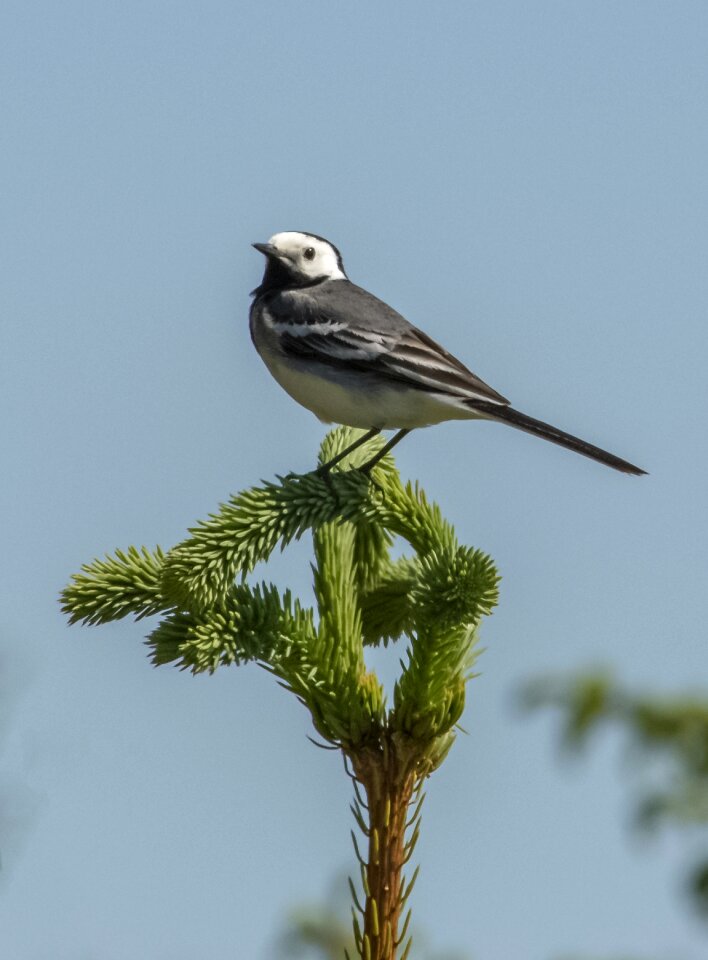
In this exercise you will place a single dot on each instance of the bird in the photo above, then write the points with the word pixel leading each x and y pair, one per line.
pixel 352 359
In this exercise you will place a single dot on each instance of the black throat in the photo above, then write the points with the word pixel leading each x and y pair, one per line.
pixel 277 277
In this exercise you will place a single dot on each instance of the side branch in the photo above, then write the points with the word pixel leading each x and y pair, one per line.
pixel 111 588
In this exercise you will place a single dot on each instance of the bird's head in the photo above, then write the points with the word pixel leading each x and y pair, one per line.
pixel 295 259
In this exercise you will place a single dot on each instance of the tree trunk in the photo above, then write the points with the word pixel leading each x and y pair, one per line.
pixel 390 784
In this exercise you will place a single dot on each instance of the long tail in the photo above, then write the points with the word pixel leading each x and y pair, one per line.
pixel 515 418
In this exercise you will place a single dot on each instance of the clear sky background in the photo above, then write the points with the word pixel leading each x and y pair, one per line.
pixel 526 181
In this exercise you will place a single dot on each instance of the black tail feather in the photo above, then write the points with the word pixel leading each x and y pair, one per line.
pixel 538 428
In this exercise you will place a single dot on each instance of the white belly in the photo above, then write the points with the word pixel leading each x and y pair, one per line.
pixel 354 401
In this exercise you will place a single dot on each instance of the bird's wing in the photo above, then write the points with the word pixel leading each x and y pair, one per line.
pixel 381 342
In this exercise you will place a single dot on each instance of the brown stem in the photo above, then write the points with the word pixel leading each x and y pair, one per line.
pixel 389 783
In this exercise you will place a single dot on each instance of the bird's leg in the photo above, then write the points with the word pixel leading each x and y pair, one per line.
pixel 326 467
pixel 396 438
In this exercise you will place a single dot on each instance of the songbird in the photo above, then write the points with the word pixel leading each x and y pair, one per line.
pixel 351 359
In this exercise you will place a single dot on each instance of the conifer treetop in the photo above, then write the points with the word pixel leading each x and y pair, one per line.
pixel 210 615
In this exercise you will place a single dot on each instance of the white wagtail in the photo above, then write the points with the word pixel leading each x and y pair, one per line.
pixel 351 359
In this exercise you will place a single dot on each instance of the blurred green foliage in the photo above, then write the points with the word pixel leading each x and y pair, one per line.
pixel 667 735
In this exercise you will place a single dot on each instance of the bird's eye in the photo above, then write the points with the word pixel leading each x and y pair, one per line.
pixel 309 253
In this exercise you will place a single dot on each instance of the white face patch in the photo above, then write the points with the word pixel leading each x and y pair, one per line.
pixel 309 256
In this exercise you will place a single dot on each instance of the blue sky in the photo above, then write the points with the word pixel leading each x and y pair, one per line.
pixel 526 182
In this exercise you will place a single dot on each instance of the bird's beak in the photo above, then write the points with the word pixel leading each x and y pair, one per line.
pixel 267 249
